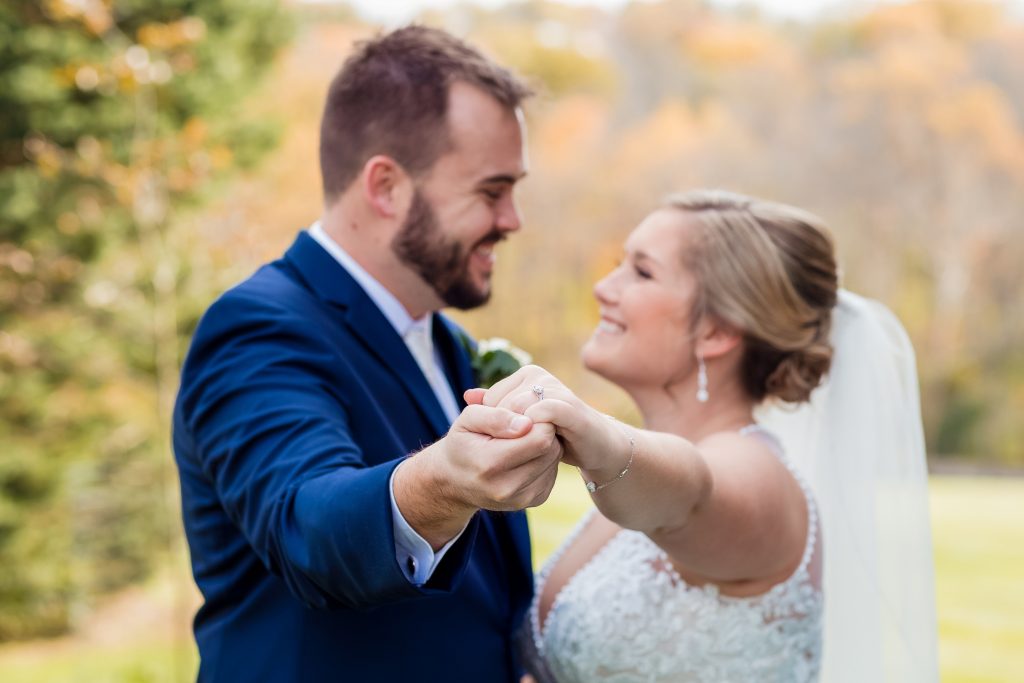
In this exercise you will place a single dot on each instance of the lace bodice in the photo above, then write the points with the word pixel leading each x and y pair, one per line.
pixel 627 616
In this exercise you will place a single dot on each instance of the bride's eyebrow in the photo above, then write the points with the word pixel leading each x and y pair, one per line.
pixel 644 256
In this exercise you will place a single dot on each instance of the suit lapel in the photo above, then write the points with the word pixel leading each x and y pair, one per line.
pixel 457 368
pixel 366 323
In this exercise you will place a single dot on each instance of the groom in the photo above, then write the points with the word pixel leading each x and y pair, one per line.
pixel 321 550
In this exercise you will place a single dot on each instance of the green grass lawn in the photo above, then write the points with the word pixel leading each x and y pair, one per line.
pixel 979 555
pixel 978 526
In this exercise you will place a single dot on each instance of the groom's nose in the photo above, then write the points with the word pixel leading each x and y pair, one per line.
pixel 506 215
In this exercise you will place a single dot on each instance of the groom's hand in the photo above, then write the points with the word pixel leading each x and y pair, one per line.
pixel 589 439
pixel 504 460
pixel 491 459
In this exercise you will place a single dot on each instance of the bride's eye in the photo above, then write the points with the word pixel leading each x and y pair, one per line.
pixel 645 274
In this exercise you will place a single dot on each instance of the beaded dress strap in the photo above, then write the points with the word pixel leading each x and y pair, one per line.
pixel 775 445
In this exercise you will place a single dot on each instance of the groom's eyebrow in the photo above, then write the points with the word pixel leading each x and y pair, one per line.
pixel 502 178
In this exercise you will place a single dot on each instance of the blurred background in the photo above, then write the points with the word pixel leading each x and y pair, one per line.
pixel 154 152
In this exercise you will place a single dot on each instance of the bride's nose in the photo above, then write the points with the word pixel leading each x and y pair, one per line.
pixel 604 289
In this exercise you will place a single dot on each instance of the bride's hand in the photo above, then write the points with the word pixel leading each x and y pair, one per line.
pixel 590 439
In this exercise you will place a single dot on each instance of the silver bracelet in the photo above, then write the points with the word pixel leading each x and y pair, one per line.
pixel 593 487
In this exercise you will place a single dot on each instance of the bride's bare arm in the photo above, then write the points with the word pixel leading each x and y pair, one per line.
pixel 725 508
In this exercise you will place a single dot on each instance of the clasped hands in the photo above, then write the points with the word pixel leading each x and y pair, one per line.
pixel 509 440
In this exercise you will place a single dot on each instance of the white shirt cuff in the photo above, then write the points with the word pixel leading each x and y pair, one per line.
pixel 415 556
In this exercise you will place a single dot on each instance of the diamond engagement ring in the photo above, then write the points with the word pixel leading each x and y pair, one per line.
pixel 539 390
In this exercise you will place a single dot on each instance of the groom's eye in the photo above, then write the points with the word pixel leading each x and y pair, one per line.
pixel 491 193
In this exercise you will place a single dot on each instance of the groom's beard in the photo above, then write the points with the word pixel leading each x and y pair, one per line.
pixel 442 263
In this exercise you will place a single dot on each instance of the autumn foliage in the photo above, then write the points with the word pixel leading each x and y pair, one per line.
pixel 120 218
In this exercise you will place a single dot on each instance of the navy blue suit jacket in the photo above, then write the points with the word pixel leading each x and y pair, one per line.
pixel 298 399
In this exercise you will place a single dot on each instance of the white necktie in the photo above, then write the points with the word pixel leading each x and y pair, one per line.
pixel 420 343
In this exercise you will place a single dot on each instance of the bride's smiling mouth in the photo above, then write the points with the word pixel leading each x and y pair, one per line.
pixel 608 326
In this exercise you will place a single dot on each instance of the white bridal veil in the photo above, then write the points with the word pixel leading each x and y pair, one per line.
pixel 860 444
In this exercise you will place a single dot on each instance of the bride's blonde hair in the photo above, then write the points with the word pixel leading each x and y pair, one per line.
pixel 768 270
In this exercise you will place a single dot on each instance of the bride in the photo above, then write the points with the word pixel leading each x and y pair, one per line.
pixel 706 557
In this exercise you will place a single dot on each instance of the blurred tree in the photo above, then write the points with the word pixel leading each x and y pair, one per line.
pixel 117 116
pixel 902 125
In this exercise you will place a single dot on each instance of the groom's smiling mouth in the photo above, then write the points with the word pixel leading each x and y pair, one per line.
pixel 483 253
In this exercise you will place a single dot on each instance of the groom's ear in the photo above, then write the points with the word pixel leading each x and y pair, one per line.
pixel 386 186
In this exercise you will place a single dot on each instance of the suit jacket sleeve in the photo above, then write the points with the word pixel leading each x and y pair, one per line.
pixel 265 403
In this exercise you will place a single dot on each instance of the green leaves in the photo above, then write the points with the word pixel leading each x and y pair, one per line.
pixel 494 359
pixel 117 116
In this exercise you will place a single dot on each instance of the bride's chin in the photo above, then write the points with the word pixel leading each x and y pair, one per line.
pixel 593 359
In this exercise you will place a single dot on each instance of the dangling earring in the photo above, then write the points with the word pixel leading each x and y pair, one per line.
pixel 702 379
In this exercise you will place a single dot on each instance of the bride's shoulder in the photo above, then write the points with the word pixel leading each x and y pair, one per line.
pixel 743 450
pixel 739 443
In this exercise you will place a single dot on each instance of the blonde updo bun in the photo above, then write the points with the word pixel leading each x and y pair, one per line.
pixel 798 373
pixel 769 270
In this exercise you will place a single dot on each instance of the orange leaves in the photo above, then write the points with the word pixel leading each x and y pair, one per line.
pixel 666 146
pixel 172 35
pixel 48 157
pixel 933 82
pixel 980 116
pixel 904 70
pixel 955 19
pixel 17 260
pixel 571 127
pixel 95 15
pixel 898 23
pixel 221 157
pixel 194 133
pixel 668 132
pixel 16 351
pixel 725 44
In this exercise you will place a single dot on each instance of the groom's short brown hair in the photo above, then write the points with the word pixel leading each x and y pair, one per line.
pixel 391 97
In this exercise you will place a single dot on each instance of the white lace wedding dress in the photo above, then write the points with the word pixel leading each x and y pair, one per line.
pixel 627 616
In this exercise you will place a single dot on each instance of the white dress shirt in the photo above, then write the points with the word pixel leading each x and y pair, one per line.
pixel 415 556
